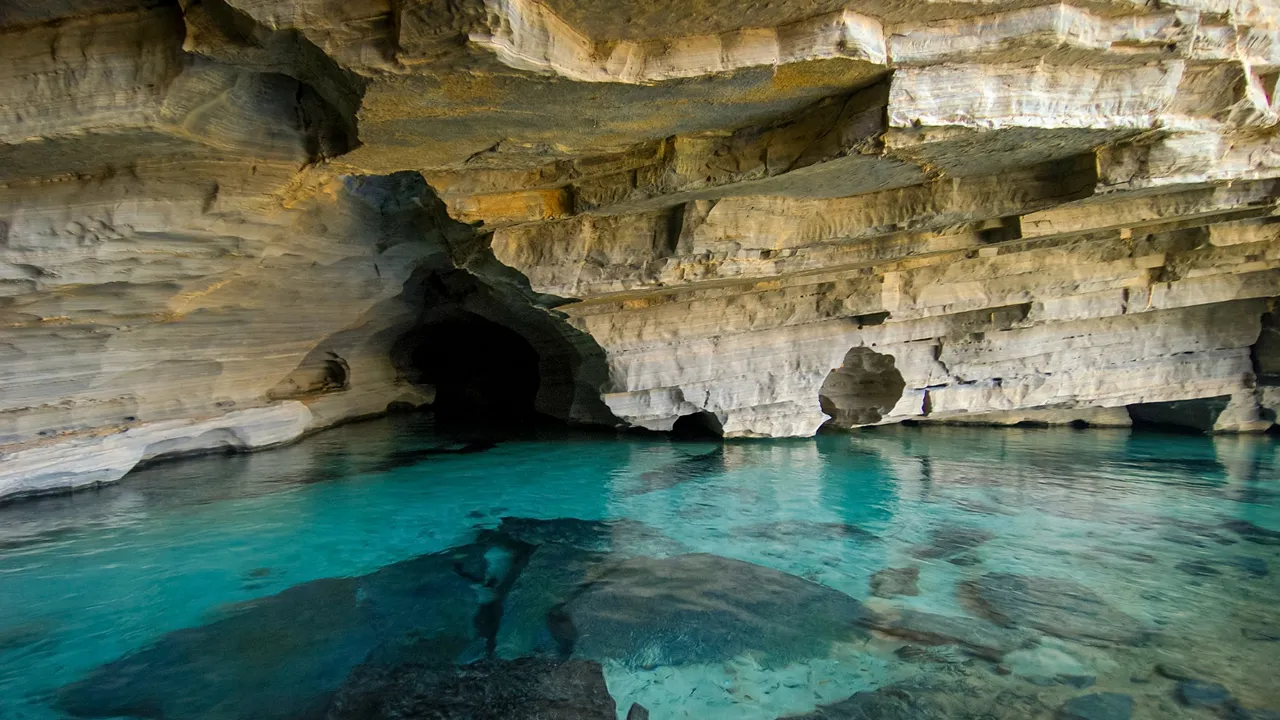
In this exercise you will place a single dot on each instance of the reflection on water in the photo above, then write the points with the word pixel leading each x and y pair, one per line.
pixel 381 570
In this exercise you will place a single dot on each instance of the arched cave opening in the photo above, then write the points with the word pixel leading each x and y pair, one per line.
pixel 697 426
pixel 862 390
pixel 483 373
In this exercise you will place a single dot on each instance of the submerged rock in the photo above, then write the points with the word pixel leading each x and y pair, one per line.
pixel 282 656
pixel 681 471
pixel 701 608
pixel 944 655
pixel 1098 706
pixel 888 703
pixel 1176 671
pixel 952 540
pixel 976 636
pixel 1054 606
pixel 1253 533
pixel 1203 694
pixel 1251 566
pixel 934 697
pixel 549 577
pixel 523 689
pixel 1198 567
pixel 593 535
pixel 892 582
pixel 789 530
pixel 1045 665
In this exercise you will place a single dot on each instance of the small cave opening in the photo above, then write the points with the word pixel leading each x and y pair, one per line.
pixel 337 373
pixel 483 373
pixel 697 426
pixel 862 390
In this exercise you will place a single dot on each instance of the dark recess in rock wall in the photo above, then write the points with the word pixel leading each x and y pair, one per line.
pixel 1188 416
pixel 1266 352
pixel 862 390
pixel 698 426
pixel 482 371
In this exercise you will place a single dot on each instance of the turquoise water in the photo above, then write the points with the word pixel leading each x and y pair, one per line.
pixel 1029 568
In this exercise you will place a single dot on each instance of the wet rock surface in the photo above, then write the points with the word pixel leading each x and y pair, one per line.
pixel 952 541
pixel 620 536
pixel 275 657
pixel 937 698
pixel 792 530
pixel 688 469
pixel 523 689
pixel 976 636
pixel 757 182
pixel 892 582
pixel 702 608
pixel 1253 532
pixel 1203 694
pixel 1098 706
pixel 885 703
pixel 1053 606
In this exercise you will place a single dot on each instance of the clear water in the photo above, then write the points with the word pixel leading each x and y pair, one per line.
pixel 1179 536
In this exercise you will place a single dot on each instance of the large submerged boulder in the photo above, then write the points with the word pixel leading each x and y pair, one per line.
pixel 702 608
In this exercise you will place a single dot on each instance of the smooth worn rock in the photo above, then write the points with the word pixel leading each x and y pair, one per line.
pixel 689 469
pixel 701 608
pixel 1202 694
pixel 593 535
pixel 976 636
pixel 282 655
pixel 892 582
pixel 951 541
pixel 225 224
pixel 935 655
pixel 522 689
pixel 946 696
pixel 886 704
pixel 1054 606
pixel 1098 706
pixel 1045 665
pixel 1174 671
pixel 532 621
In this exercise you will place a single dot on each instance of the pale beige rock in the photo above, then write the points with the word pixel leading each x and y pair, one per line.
pixel 216 227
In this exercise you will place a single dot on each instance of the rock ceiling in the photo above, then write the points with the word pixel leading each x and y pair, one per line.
pixel 219 219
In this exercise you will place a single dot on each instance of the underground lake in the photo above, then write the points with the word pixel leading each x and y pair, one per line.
pixel 391 569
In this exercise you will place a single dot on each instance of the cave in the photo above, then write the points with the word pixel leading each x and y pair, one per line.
pixel 483 372
pixel 862 390
pixel 697 426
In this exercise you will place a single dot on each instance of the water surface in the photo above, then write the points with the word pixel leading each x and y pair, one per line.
pixel 927 572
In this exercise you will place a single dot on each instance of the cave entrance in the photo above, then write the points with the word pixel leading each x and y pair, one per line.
pixel 483 373
pixel 862 390
pixel 697 426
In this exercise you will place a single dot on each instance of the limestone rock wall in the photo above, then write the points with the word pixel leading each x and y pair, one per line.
pixel 219 219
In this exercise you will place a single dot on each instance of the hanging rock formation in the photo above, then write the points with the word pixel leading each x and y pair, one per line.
pixel 221 221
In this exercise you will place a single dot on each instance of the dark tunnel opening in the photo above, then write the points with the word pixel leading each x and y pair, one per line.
pixel 483 373
pixel 697 426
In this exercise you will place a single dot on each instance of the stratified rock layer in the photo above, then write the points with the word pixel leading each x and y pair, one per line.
pixel 223 223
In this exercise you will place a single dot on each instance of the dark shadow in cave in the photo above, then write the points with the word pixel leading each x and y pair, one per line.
pixel 697 426
pixel 483 373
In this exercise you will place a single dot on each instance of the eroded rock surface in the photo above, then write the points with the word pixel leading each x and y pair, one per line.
pixel 225 223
